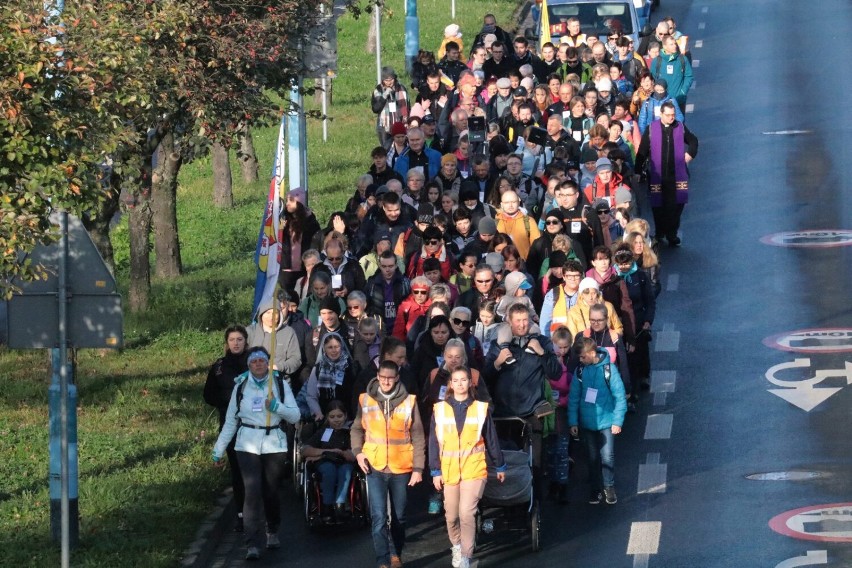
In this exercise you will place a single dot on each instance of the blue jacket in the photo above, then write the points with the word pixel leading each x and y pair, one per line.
pixel 518 388
pixel 433 156
pixel 650 111
pixel 610 402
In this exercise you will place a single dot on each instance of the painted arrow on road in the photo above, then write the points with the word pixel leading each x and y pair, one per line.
pixel 802 393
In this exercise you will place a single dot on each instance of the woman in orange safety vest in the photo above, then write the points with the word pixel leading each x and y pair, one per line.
pixel 461 433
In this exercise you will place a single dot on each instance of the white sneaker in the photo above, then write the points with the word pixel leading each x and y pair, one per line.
pixel 457 557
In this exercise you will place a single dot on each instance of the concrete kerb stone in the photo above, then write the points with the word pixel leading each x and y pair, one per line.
pixel 210 532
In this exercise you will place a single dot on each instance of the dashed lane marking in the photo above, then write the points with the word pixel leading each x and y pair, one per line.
pixel 705 9
pixel 668 339
pixel 699 44
pixel 658 427
pixel 702 25
pixel 644 538
pixel 690 108
pixel 652 475
pixel 696 63
pixel 673 282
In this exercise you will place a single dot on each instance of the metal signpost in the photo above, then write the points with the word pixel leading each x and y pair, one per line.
pixel 76 306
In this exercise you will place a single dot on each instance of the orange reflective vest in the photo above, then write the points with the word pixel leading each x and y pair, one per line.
pixel 462 455
pixel 387 442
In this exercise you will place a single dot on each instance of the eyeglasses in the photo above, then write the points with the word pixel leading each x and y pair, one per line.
pixel 386 378
pixel 553 222
pixel 433 242
pixel 597 320
pixel 354 307
pixel 458 321
pixel 604 212
pixel 419 292
pixel 334 258
pixel 484 281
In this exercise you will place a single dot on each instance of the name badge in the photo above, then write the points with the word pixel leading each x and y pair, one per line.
pixel 442 394
pixel 575 226
pixel 257 404
pixel 656 112
pixel 669 69
pixel 578 136
pixel 392 104
pixel 326 436
pixel 591 395
pixel 555 397
pixel 440 360
pixel 336 281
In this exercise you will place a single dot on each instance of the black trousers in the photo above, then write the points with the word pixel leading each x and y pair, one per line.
pixel 667 220
pixel 262 478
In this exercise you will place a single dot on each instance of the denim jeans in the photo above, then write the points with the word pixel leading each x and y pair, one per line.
pixel 381 485
pixel 600 444
pixel 334 484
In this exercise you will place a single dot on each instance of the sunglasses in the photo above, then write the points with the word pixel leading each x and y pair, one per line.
pixel 433 242
pixel 420 292
pixel 553 222
pixel 604 212
pixel 334 258
pixel 458 321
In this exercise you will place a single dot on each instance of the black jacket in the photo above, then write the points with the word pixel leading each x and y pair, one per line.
pixel 378 305
pixel 220 382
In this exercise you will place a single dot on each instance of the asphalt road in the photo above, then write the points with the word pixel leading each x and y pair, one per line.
pixel 762 66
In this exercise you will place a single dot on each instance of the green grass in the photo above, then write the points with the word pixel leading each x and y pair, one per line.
pixel 145 435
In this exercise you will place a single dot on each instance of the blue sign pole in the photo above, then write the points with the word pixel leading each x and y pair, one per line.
pixel 55 452
pixel 412 34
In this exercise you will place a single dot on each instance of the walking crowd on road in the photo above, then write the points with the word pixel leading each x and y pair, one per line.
pixel 498 259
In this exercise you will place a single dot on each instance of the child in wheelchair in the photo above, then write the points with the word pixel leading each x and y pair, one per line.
pixel 329 452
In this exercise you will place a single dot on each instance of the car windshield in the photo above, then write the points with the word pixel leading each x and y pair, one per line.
pixel 596 18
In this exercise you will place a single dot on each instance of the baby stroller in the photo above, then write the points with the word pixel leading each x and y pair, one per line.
pixel 513 502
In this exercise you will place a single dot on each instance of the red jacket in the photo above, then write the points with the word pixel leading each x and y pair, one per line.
pixel 406 314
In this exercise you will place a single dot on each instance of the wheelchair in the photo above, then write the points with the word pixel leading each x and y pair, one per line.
pixel 357 501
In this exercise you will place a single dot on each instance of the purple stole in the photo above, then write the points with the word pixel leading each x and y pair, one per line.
pixel 655 182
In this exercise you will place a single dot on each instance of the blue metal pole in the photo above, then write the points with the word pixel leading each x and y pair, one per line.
pixel 295 137
pixel 55 453
pixel 412 34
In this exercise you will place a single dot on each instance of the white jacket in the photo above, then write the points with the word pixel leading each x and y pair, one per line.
pixel 256 440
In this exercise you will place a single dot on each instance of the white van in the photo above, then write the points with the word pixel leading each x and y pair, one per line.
pixel 597 17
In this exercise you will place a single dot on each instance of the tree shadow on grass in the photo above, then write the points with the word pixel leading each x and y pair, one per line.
pixel 149 529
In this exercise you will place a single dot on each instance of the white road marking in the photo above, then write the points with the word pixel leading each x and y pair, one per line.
pixel 644 538
pixel 640 561
pixel 663 381
pixel 673 282
pixel 652 475
pixel 668 339
pixel 690 108
pixel 696 63
pixel 660 398
pixel 659 427
pixel 705 9
pixel 699 44
pixel 702 25
pixel 811 558
pixel 787 132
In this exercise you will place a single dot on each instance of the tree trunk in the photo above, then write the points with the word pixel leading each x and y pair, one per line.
pixel 223 195
pixel 139 225
pixel 164 209
pixel 99 221
pixel 371 34
pixel 247 155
